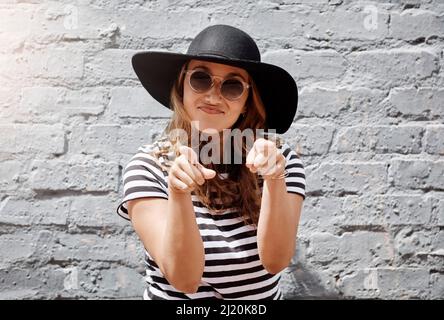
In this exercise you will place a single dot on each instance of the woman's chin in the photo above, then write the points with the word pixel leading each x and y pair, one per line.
pixel 212 124
pixel 204 126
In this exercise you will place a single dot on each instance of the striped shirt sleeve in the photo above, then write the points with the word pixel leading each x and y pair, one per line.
pixel 295 180
pixel 142 178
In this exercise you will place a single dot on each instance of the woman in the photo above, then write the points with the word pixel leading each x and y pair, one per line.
pixel 216 229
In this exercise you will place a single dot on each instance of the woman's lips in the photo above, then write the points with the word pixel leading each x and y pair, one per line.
pixel 210 110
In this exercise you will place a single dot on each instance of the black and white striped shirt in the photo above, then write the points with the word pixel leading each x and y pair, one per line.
pixel 233 269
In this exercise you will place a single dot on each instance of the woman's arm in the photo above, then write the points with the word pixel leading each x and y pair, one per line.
pixel 169 232
pixel 280 210
pixel 168 228
pixel 278 225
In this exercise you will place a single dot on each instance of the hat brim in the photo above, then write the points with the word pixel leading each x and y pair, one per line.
pixel 158 70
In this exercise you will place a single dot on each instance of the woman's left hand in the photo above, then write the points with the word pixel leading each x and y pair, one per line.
pixel 266 159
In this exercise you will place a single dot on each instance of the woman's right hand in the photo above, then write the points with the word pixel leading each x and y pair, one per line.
pixel 186 172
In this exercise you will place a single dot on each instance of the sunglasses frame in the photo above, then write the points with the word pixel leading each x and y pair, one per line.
pixel 245 85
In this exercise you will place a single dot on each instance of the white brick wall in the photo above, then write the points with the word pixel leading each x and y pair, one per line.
pixel 369 130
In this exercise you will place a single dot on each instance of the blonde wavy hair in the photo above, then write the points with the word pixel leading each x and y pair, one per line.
pixel 240 188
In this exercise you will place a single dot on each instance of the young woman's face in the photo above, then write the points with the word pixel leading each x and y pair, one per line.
pixel 210 108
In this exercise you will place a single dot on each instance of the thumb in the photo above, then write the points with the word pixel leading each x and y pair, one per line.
pixel 207 173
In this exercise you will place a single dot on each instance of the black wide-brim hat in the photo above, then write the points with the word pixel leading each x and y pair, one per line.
pixel 157 71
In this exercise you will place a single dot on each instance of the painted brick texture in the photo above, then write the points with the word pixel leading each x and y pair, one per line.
pixel 369 130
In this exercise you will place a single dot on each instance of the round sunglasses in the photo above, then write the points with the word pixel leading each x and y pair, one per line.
pixel 201 81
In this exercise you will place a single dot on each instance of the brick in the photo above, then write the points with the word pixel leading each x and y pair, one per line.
pixel 95 175
pixel 120 281
pixel 355 139
pixel 398 139
pixel 44 240
pixel 9 100
pixel 404 283
pixel 88 247
pixel 301 283
pixel 346 105
pixel 96 281
pixel 320 213
pixel 20 294
pixel 13 69
pixel 55 104
pixel 18 15
pixel 110 66
pixel 93 211
pixel 175 24
pixel 59 20
pixel 40 104
pixel 19 279
pixel 53 21
pixel 10 173
pixel 422 103
pixel 409 242
pixel 257 29
pixel 132 137
pixel 386 211
pixel 315 3
pixel 311 140
pixel 352 178
pixel 438 242
pixel 95 139
pixel 387 68
pixel 134 250
pixel 358 249
pixel 24 138
pixel 103 138
pixel 371 224
pixel 43 212
pixel 317 66
pixel 381 139
pixel 434 139
pixel 136 103
pixel 15 248
pixel 340 24
pixel 364 210
pixel 71 281
pixel 359 21
pixel 361 284
pixel 12 42
pixel 56 63
pixel 440 211
pixel 19 282
pixel 9 97
pixel 12 37
pixel 387 283
pixel 416 174
pixel 323 248
pixel 407 210
pixel 414 23
pixel 322 102
pixel 437 285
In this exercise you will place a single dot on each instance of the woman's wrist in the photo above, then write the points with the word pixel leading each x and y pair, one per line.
pixel 276 176
pixel 280 173
pixel 177 191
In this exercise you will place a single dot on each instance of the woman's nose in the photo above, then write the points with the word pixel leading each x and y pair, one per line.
pixel 214 94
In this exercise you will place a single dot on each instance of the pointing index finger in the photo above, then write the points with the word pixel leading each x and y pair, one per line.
pixel 189 154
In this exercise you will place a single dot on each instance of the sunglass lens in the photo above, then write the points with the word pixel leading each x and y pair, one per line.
pixel 232 89
pixel 200 81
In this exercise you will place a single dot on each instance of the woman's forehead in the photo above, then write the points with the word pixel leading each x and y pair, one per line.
pixel 217 68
